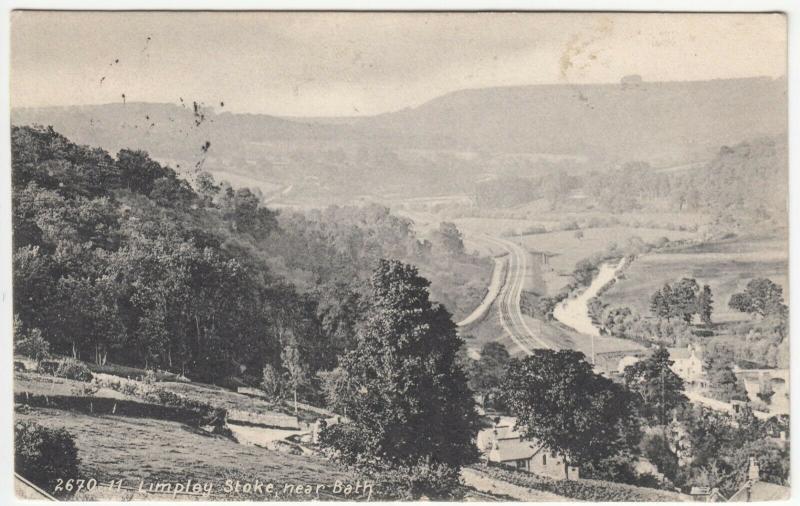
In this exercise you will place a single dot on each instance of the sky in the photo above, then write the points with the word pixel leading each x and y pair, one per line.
pixel 352 64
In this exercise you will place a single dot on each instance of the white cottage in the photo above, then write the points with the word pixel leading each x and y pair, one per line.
pixel 688 364
pixel 504 445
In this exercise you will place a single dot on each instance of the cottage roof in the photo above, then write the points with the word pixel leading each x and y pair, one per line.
pixel 516 449
pixel 761 491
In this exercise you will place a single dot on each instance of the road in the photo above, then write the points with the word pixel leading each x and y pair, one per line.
pixel 507 302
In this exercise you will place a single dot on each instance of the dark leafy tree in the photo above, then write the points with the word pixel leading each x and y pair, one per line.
pixel 676 300
pixel 761 296
pixel 705 305
pixel 656 448
pixel 658 387
pixel 412 401
pixel 448 238
pixel 561 402
pixel 486 374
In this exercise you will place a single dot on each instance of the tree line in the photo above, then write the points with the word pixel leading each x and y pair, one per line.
pixel 121 259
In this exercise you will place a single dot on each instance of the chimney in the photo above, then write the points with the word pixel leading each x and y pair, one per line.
pixel 752 472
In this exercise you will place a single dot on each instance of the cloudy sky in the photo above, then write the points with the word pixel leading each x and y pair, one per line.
pixel 314 64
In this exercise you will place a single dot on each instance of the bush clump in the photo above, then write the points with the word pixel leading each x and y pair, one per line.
pixel 427 479
pixel 43 455
pixel 346 444
pixel 68 368
pixel 74 370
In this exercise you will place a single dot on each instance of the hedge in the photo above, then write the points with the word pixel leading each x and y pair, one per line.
pixel 582 490
pixel 43 455
pixel 195 416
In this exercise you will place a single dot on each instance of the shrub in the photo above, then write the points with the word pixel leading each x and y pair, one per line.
pixel 534 229
pixel 85 390
pixel 74 370
pixel 272 383
pixel 32 344
pixel 49 367
pixel 432 480
pixel 43 455
pixel 345 443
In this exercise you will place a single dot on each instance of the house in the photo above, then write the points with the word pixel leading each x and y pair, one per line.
pixel 505 445
pixel 755 490
pixel 706 494
pixel 688 364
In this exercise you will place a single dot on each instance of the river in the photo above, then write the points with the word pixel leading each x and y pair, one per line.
pixel 574 312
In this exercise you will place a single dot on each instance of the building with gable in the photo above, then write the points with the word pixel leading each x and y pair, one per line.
pixel 505 445
pixel 688 364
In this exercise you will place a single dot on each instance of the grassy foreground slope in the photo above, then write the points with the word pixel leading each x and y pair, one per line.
pixel 134 449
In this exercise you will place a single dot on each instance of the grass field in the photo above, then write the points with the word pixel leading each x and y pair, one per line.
pixel 38 384
pixel 135 449
pixel 568 250
pixel 726 266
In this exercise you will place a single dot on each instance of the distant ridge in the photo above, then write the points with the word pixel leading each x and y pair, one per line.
pixel 660 122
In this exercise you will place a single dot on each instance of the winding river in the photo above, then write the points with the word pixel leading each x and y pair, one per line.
pixel 574 312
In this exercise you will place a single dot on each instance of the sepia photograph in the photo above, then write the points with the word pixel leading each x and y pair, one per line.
pixel 399 256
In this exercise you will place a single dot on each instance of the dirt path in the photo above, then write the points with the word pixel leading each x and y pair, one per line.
pixel 484 483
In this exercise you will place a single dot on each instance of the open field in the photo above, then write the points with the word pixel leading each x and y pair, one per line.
pixel 568 250
pixel 134 449
pixel 559 336
pixel 38 384
pixel 726 266
pixel 223 398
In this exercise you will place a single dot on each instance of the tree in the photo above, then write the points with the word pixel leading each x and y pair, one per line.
pixel 271 382
pixel 449 239
pixel 411 401
pixel 138 171
pixel 676 300
pixel 761 296
pixel 705 305
pixel 486 374
pixel 659 302
pixel 656 449
pixel 659 388
pixel 684 299
pixel 296 371
pixel 29 343
pixel 724 383
pixel 338 388
pixel 563 404
pixel 741 302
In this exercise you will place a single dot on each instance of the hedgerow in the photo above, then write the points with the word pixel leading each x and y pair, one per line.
pixel 583 490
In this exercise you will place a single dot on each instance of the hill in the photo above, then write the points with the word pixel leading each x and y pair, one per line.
pixel 443 145
pixel 659 121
